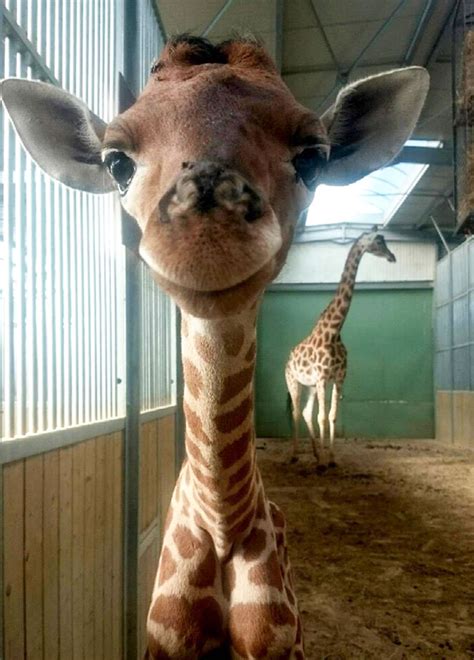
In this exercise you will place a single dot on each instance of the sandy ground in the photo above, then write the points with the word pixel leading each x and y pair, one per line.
pixel 382 547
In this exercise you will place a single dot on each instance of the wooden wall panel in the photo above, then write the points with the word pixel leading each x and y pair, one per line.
pixel 455 418
pixel 63 537
pixel 157 479
pixel 13 563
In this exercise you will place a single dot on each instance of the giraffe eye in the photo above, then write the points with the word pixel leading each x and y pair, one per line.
pixel 308 165
pixel 121 168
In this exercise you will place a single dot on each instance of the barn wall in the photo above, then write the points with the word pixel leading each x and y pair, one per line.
pixel 62 539
pixel 157 479
pixel 454 346
pixel 389 386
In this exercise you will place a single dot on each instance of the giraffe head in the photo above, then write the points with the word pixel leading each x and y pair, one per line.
pixel 216 159
pixel 376 245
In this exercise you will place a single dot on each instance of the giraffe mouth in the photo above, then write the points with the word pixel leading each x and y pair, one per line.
pixel 222 302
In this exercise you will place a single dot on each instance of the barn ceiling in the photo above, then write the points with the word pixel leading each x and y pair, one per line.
pixel 320 44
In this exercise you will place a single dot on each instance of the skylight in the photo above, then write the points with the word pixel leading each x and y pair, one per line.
pixel 372 200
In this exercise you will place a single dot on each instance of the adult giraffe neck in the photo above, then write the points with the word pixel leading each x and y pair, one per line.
pixel 224 483
pixel 335 313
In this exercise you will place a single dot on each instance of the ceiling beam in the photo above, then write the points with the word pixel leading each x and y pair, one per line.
pixel 217 17
pixel 279 8
pixel 425 156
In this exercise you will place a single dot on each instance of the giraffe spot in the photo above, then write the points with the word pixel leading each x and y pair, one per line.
pixel 235 450
pixel 194 423
pixel 229 579
pixel 319 342
pixel 233 340
pixel 155 651
pixel 194 623
pixel 193 450
pixel 267 572
pixel 252 351
pixel 240 510
pixel 326 337
pixel 192 378
pixel 236 497
pixel 277 516
pixel 204 349
pixel 241 473
pixel 260 510
pixel 167 566
pixel 235 383
pixel 231 420
pixel 254 544
pixel 186 543
pixel 242 526
pixel 205 573
pixel 250 627
pixel 209 482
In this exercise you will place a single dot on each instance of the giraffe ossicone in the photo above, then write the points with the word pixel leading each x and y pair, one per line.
pixel 216 160
pixel 320 360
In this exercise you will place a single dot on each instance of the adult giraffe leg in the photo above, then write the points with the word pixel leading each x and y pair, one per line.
pixel 294 389
pixel 335 395
pixel 308 418
pixel 321 392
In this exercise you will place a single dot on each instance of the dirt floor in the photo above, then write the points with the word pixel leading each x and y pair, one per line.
pixel 382 547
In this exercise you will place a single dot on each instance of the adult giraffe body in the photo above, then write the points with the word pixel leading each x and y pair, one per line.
pixel 321 358
pixel 216 160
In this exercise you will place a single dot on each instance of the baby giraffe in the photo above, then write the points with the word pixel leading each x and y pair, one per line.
pixel 216 160
pixel 321 358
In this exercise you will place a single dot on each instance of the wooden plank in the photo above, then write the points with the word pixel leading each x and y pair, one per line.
pixel 108 548
pixel 51 555
pixel 34 556
pixel 89 542
pixel 142 479
pixel 99 559
pixel 167 468
pixel 65 553
pixel 148 486
pixel 13 564
pixel 78 551
pixel 443 417
pixel 154 497
pixel 117 557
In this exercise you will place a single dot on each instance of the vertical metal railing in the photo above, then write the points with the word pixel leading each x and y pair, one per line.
pixel 60 249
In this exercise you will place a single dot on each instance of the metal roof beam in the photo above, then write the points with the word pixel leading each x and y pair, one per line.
pixel 425 156
pixel 217 18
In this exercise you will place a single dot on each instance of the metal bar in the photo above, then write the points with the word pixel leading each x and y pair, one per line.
pixel 157 413
pixel 325 38
pixel 279 8
pixel 132 456
pixel 17 33
pixel 417 33
pixel 425 156
pixel 217 17
pixel 440 234
pixel 19 448
pixel 371 41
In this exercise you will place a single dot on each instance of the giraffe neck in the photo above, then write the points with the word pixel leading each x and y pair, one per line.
pixel 224 484
pixel 336 312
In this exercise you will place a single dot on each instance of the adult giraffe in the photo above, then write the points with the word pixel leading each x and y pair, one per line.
pixel 216 160
pixel 321 358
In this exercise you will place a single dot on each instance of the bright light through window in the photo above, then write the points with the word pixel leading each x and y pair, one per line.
pixel 372 200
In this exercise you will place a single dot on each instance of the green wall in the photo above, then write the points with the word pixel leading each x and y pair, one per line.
pixel 388 390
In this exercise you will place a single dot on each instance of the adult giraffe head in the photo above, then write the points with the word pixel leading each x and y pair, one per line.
pixel 216 159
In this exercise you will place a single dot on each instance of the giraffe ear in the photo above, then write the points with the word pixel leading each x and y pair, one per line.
pixel 60 133
pixel 370 122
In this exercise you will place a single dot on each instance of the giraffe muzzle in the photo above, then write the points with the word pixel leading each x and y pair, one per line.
pixel 204 187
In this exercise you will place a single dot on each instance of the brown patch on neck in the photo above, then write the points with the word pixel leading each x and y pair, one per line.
pixel 233 340
pixel 227 422
pixel 192 378
pixel 235 383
